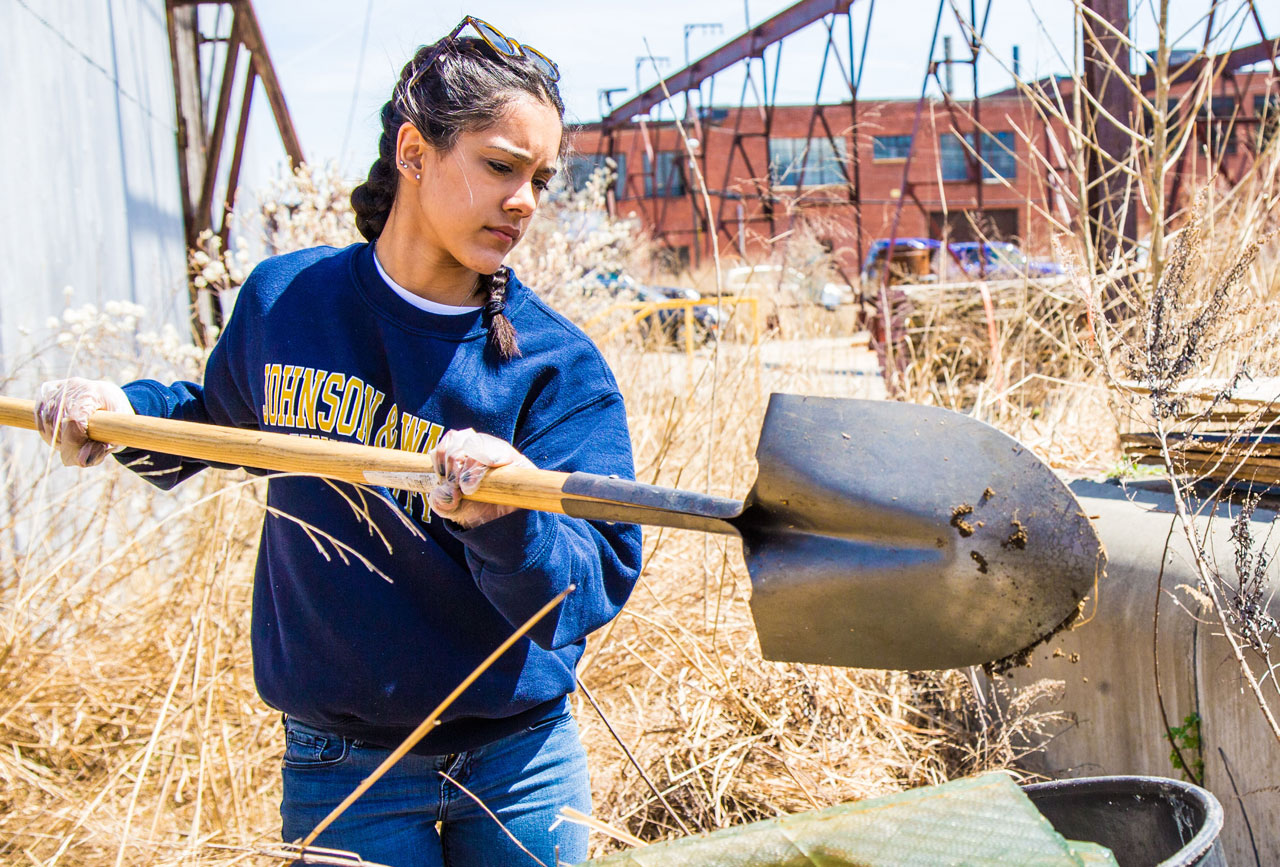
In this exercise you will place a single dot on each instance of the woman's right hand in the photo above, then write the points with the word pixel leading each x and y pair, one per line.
pixel 62 417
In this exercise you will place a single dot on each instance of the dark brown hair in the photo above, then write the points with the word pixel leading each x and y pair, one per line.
pixel 469 87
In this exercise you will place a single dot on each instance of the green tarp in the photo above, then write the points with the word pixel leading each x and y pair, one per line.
pixel 979 821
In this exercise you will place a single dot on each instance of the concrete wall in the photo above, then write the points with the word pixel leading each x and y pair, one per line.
pixel 1108 670
pixel 88 163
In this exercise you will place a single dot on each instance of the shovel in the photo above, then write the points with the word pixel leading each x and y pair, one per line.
pixel 877 535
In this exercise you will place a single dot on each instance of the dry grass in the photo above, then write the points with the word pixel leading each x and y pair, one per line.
pixel 130 726
pixel 133 733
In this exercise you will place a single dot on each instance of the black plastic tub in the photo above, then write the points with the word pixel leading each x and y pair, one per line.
pixel 1144 821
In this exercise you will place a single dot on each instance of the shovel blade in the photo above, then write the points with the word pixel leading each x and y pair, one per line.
pixel 896 536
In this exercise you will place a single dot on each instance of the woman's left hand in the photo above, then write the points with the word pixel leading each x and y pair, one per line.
pixel 462 459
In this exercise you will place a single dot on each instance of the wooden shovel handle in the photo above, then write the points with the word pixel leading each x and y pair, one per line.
pixel 581 495
pixel 521 487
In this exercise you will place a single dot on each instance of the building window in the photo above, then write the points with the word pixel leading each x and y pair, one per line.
pixel 1266 108
pixel 674 258
pixel 800 162
pixel 1173 118
pixel 666 178
pixel 581 167
pixel 890 147
pixel 1219 130
pixel 1224 108
pixel 993 224
pixel 998 155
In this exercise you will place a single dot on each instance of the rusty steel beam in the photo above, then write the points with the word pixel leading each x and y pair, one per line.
pixel 1226 62
pixel 189 128
pixel 213 150
pixel 1112 219
pixel 200 149
pixel 184 56
pixel 237 157
pixel 251 33
pixel 750 44
pixel 855 81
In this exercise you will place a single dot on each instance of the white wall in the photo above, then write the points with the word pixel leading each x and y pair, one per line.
pixel 89 194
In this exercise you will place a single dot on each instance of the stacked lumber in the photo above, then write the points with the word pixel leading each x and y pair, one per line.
pixel 1237 439
pixel 1221 457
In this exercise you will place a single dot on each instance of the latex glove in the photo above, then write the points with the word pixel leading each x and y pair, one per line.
pixel 462 459
pixel 62 417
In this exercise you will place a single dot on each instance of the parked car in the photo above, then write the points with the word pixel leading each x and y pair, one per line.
pixel 912 261
pixel 925 260
pixel 670 322
pixel 832 295
pixel 1003 261
pixel 666 323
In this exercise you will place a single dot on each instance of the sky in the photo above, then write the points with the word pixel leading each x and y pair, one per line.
pixel 337 59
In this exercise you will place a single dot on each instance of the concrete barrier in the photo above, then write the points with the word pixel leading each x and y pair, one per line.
pixel 1108 666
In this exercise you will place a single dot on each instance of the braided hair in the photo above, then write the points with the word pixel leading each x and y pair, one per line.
pixel 468 88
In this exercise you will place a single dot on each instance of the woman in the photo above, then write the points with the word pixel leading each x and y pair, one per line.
pixel 392 343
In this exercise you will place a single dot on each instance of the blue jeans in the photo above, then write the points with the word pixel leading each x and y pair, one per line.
pixel 524 779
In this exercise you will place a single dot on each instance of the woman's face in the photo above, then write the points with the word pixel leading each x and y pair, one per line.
pixel 477 198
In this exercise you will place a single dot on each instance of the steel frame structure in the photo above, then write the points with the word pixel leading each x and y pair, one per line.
pixel 200 148
pixel 749 47
pixel 1107 210
pixel 1214 66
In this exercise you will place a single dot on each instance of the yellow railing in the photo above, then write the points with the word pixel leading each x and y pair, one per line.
pixel 645 309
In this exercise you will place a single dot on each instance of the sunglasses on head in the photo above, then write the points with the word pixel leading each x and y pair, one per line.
pixel 494 38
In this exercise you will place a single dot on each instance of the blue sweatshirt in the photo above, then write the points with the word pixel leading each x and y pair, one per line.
pixel 319 345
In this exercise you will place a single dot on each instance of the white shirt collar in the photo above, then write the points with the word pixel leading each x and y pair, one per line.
pixel 417 300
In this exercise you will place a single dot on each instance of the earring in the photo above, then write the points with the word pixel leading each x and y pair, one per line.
pixel 417 177
pixel 403 164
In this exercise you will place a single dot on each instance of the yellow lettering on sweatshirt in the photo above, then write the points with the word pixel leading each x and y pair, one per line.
pixel 433 436
pixel 271 394
pixel 288 385
pixel 308 390
pixel 386 437
pixel 352 401
pixel 372 400
pixel 412 431
pixel 329 397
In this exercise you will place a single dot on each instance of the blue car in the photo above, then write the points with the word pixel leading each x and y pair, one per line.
pixel 1003 261
pixel 925 260
pixel 912 260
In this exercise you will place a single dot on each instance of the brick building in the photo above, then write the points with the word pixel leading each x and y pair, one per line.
pixel 768 172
